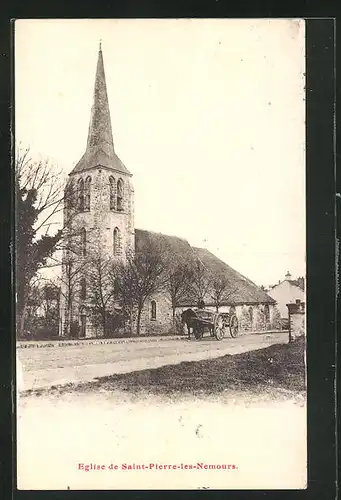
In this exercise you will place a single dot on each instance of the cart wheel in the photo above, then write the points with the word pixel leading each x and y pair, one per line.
pixel 233 326
pixel 219 327
pixel 198 331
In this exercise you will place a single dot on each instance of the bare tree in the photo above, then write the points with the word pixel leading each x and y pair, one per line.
pixel 38 199
pixel 140 277
pixel 41 179
pixel 202 280
pixel 43 308
pixel 178 282
pixel 125 282
pixel 101 288
pixel 73 269
pixel 222 289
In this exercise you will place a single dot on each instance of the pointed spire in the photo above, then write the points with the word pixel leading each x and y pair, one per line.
pixel 100 149
pixel 100 133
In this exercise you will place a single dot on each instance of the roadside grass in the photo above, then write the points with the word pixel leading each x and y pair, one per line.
pixel 276 371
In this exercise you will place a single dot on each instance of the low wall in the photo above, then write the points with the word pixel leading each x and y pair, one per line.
pixel 29 344
pixel 296 312
pixel 59 343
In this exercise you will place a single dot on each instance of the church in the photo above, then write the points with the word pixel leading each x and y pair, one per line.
pixel 102 217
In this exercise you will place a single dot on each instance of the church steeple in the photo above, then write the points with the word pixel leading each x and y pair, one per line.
pixel 100 149
pixel 100 133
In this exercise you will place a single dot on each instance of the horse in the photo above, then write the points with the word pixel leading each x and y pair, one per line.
pixel 187 318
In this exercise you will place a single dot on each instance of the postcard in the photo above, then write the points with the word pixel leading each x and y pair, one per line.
pixel 160 254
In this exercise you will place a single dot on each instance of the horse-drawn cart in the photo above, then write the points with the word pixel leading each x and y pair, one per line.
pixel 216 323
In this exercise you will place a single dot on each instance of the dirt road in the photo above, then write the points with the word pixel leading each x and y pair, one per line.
pixel 61 364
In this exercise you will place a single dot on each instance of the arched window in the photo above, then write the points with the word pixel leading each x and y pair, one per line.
pixel 112 192
pixel 251 316
pixel 87 193
pixel 119 198
pixel 117 241
pixel 81 195
pixel 83 289
pixel 153 309
pixel 267 313
pixel 83 241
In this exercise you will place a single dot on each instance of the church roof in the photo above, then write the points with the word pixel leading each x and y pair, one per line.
pixel 241 290
pixel 100 149
pixel 178 246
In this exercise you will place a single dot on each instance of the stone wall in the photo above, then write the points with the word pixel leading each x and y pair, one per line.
pixel 258 317
pixel 99 223
pixel 163 321
pixel 251 318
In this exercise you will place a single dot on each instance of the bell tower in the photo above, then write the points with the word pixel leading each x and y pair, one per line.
pixel 99 196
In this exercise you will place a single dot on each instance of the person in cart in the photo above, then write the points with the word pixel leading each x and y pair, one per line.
pixel 201 305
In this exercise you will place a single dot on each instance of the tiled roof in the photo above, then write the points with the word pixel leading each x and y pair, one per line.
pixel 178 246
pixel 241 290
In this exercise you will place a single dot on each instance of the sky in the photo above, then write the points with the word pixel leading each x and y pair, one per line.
pixel 208 116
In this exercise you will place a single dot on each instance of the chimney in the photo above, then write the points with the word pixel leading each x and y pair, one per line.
pixel 288 276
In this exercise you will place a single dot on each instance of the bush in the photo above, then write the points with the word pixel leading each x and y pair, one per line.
pixel 46 332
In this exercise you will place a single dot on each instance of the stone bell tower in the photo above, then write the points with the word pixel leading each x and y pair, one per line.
pixel 99 207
